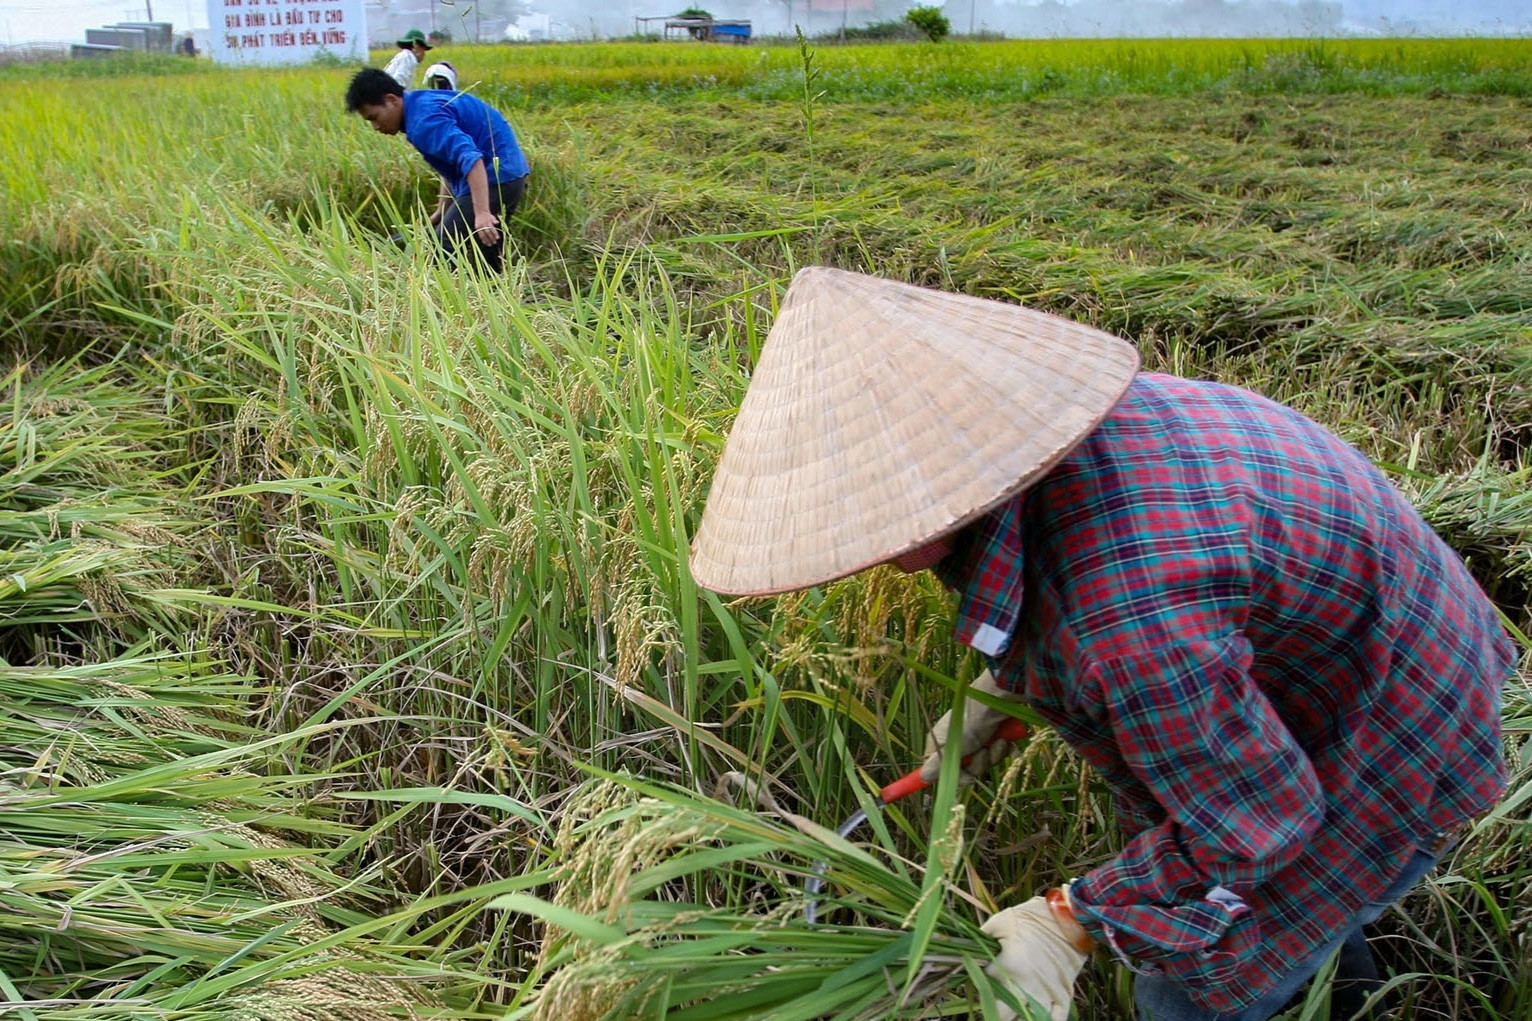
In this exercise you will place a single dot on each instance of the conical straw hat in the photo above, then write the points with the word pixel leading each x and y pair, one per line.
pixel 882 416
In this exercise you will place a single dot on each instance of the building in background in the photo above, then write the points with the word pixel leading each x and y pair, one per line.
pixel 126 37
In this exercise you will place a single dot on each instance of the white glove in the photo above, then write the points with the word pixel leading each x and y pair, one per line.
pixel 977 740
pixel 1037 958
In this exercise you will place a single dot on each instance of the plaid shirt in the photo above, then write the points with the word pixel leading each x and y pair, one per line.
pixel 1287 679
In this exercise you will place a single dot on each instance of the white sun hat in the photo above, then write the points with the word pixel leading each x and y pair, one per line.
pixel 441 69
pixel 883 415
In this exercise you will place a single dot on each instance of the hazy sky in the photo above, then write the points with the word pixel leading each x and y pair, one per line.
pixel 24 21
pixel 36 20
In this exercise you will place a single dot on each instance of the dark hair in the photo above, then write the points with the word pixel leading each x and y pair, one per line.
pixel 368 87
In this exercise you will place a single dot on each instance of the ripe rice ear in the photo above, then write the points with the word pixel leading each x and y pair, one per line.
pixel 676 906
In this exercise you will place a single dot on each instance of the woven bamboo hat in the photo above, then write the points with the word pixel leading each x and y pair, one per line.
pixel 882 416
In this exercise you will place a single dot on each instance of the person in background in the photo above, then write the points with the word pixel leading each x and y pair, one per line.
pixel 441 75
pixel 412 49
pixel 1289 682
pixel 469 143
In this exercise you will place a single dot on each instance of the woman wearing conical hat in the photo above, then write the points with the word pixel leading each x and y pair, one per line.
pixel 1289 681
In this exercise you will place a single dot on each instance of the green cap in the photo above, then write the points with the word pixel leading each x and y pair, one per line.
pixel 412 37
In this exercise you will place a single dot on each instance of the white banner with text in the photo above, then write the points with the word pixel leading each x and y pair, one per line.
pixel 286 31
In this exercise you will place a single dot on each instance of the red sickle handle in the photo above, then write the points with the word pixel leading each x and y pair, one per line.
pixel 1011 729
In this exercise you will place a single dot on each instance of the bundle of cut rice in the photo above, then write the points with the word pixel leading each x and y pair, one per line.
pixel 679 907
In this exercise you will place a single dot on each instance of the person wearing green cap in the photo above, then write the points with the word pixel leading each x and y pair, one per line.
pixel 412 47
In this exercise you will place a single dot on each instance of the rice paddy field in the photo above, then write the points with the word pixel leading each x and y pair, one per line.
pixel 351 667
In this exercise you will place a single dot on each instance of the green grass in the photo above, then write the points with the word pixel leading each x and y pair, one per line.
pixel 332 578
pixel 995 70
pixel 1005 70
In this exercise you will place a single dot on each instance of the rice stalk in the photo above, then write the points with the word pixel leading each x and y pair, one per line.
pixel 636 928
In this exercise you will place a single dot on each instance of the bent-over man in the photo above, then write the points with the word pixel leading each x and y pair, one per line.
pixel 465 140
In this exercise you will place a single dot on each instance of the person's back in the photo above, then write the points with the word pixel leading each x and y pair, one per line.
pixel 1297 618
pixel 441 75
pixel 402 68
pixel 451 129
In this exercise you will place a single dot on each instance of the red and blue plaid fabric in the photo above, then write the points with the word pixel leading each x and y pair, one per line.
pixel 1286 678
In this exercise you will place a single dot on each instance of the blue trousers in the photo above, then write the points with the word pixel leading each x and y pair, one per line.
pixel 1355 974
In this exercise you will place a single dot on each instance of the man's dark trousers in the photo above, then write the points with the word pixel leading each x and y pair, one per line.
pixel 456 225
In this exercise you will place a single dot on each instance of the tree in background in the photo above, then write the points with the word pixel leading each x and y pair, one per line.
pixel 931 21
pixel 697 31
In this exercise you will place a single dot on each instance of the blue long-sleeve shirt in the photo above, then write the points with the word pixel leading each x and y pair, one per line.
pixel 454 130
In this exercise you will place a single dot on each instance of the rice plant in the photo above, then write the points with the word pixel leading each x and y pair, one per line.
pixel 352 665
pixel 672 906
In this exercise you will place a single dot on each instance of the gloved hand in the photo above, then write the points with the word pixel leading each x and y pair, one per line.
pixel 977 739
pixel 1039 957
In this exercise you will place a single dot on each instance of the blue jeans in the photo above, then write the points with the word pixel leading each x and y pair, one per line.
pixel 1160 1000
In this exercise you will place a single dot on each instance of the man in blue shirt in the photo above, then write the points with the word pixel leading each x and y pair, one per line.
pixel 466 141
